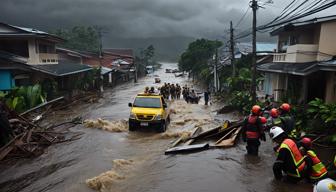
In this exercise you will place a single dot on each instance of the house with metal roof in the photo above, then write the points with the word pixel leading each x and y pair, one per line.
pixel 303 67
pixel 29 56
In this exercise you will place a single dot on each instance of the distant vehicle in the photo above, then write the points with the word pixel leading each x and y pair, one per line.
pixel 193 100
pixel 175 71
pixel 157 80
pixel 179 74
pixel 169 70
pixel 149 69
pixel 149 110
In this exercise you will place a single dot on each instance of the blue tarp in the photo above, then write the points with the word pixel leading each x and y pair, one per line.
pixel 6 81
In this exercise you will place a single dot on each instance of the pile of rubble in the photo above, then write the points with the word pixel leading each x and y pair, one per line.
pixel 21 138
pixel 223 136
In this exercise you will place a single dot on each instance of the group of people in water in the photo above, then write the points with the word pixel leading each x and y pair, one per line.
pixel 295 158
pixel 171 91
pixel 174 91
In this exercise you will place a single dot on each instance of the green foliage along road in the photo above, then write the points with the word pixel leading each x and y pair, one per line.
pixel 196 58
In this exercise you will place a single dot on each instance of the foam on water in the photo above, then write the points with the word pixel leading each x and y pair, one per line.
pixel 111 126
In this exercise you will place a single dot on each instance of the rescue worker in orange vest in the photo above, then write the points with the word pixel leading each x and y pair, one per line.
pixel 287 120
pixel 253 131
pixel 289 158
pixel 315 168
pixel 274 119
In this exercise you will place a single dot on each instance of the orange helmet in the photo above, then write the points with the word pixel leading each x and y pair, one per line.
pixel 274 112
pixel 256 109
pixel 263 120
pixel 306 142
pixel 285 107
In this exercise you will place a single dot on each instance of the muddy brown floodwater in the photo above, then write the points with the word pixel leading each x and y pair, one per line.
pixel 109 158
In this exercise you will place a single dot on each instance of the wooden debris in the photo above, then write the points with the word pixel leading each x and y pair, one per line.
pixel 195 133
pixel 226 136
pixel 230 141
pixel 29 139
pixel 189 148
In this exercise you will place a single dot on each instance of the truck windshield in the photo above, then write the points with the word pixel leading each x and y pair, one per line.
pixel 147 102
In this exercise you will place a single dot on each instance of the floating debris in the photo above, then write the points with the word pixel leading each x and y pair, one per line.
pixel 26 139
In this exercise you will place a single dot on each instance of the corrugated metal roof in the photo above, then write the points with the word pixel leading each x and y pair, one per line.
pixel 61 69
pixel 12 57
pixel 105 70
pixel 26 32
pixel 30 30
pixel 302 69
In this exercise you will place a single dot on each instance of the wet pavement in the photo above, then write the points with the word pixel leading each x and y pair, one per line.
pixel 67 166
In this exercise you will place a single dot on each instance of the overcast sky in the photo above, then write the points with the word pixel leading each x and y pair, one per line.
pixel 137 18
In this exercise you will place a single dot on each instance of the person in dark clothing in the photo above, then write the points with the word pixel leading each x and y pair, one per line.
pixel 289 158
pixel 172 92
pixel 252 131
pixel 152 90
pixel 206 96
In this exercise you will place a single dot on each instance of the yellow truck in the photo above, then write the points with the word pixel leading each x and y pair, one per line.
pixel 149 110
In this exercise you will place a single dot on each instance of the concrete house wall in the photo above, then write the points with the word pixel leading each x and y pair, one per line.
pixel 327 46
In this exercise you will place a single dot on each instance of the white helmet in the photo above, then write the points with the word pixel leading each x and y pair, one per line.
pixel 325 185
pixel 275 132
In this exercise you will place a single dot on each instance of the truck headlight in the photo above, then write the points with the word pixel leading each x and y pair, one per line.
pixel 132 116
pixel 158 117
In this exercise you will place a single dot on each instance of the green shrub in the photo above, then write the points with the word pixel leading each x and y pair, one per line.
pixel 23 98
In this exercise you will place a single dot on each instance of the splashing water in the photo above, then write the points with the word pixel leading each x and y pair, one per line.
pixel 105 181
pixel 168 135
pixel 111 126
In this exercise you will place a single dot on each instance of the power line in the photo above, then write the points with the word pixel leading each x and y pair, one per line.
pixel 317 7
pixel 242 18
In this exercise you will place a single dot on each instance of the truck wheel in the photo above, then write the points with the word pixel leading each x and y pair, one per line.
pixel 162 127
pixel 131 127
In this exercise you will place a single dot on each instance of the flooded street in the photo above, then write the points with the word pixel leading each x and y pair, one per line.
pixel 113 159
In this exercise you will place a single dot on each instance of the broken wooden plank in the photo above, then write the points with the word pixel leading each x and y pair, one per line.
pixel 29 135
pixel 207 133
pixel 177 141
pixel 225 136
pixel 42 105
pixel 231 141
pixel 189 148
pixel 223 131
pixel 195 133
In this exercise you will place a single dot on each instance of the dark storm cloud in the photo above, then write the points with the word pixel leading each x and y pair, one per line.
pixel 130 18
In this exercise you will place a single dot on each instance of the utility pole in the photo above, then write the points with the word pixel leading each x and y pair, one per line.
pixel 215 71
pixel 100 84
pixel 135 71
pixel 232 51
pixel 254 7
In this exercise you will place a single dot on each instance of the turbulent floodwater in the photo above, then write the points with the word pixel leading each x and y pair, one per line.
pixel 109 158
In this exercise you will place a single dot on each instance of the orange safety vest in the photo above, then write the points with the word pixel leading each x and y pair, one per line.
pixel 318 169
pixel 252 131
pixel 298 159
